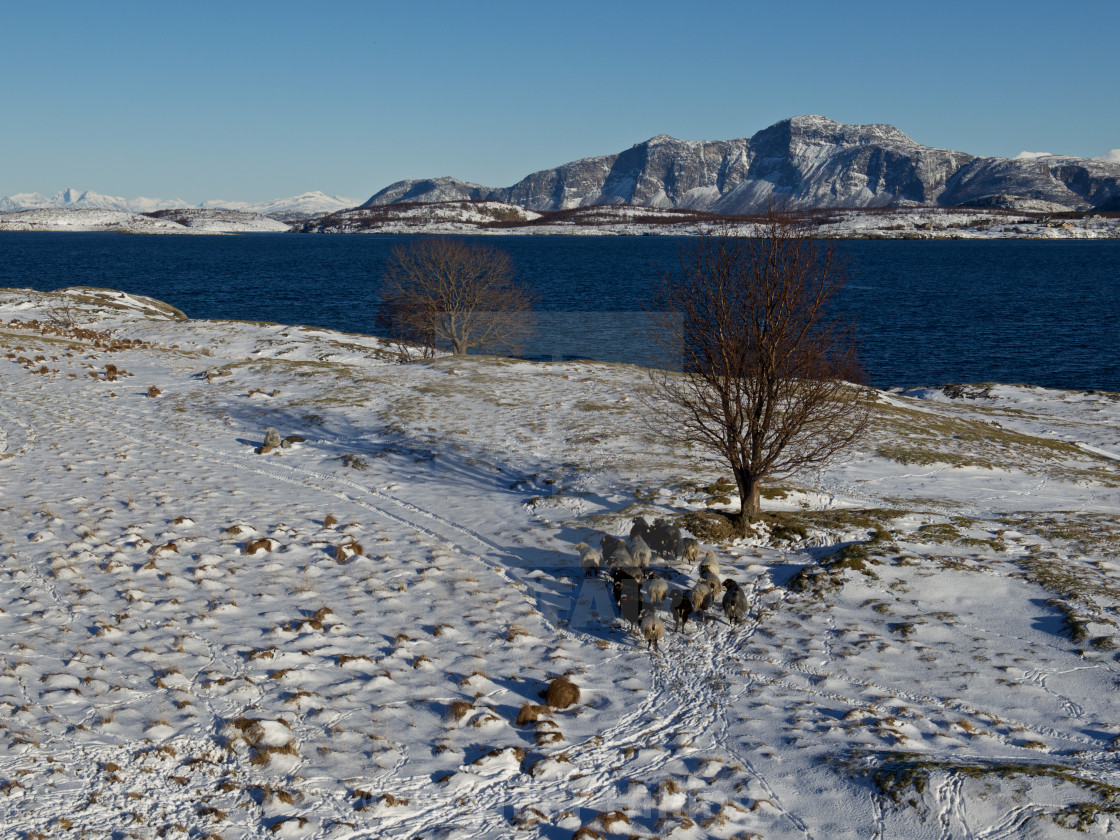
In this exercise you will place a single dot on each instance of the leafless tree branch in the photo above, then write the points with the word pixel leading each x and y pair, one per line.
pixel 448 294
pixel 769 375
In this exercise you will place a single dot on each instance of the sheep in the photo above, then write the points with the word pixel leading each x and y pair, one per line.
pixel 701 598
pixel 609 543
pixel 689 550
pixel 682 609
pixel 631 607
pixel 628 597
pixel 714 585
pixel 626 574
pixel 709 565
pixel 663 538
pixel 590 559
pixel 620 556
pixel 653 628
pixel 735 604
pixel 639 550
pixel 655 589
pixel 640 528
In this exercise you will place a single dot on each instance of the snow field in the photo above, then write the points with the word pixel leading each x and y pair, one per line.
pixel 931 654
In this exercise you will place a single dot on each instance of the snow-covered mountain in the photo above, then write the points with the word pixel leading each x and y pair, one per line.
pixel 805 162
pixel 300 206
pixel 72 199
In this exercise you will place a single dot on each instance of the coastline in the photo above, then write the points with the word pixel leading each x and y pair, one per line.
pixel 906 224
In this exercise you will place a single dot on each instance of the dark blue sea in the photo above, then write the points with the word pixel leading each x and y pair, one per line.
pixel 930 313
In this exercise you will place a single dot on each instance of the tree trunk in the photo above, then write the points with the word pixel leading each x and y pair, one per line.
pixel 750 505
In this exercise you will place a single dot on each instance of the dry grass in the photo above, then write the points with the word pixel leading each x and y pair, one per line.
pixel 531 713
pixel 561 693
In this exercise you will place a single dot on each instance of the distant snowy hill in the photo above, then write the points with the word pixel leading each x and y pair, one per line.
pixel 192 220
pixel 804 162
pixel 305 205
pixel 71 199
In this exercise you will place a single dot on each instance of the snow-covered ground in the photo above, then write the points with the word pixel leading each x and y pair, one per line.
pixel 497 218
pixel 295 207
pixel 120 221
pixel 336 639
pixel 623 220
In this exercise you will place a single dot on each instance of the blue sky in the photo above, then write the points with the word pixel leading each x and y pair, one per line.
pixel 254 100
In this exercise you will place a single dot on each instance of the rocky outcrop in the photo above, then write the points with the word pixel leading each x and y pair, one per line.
pixel 803 162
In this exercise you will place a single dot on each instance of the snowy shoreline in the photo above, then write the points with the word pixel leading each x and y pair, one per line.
pixel 930 651
pixel 479 218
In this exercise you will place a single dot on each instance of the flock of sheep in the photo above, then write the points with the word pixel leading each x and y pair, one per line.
pixel 639 592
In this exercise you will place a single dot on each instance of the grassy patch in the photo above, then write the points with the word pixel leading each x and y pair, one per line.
pixel 938 533
pixel 709 526
pixel 897 774
pixel 923 438
pixel 594 406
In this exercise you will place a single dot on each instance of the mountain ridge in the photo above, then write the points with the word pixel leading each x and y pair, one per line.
pixel 803 162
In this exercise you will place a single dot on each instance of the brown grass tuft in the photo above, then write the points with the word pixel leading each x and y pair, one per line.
pixel 530 713
pixel 517 752
pixel 347 550
pixel 561 693
pixel 263 754
pixel 458 709
pixel 611 817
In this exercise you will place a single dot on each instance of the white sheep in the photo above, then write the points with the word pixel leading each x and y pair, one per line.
pixel 709 565
pixel 653 628
pixel 714 585
pixel 589 559
pixel 655 589
pixel 640 552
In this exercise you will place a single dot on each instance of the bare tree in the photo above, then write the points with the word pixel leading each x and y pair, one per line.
pixel 766 367
pixel 454 295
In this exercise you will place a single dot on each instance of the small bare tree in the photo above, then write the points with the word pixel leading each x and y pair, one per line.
pixel 766 368
pixel 453 295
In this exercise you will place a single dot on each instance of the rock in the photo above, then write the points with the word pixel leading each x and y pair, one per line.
pixel 271 438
